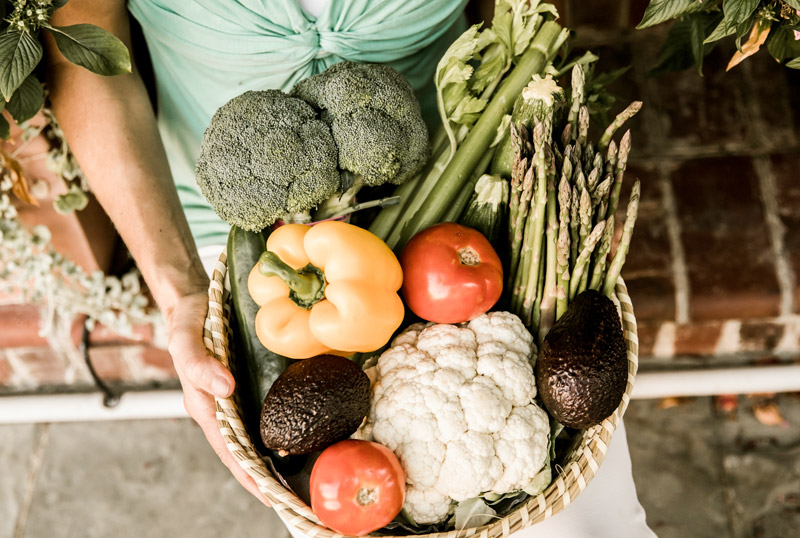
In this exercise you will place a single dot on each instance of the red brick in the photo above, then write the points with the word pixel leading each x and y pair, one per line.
pixel 109 364
pixel 647 337
pixel 19 326
pixel 5 370
pixel 160 360
pixel 760 335
pixel 786 169
pixel 102 335
pixel 44 365
pixel 697 339
pixel 771 91
pixel 648 267
pixel 730 265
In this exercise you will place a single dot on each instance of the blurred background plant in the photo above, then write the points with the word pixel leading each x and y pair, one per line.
pixel 29 264
pixel 702 24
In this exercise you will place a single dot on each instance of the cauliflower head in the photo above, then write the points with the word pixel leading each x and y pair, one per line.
pixel 455 404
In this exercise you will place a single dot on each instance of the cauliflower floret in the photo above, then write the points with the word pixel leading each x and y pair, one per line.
pixel 455 403
pixel 427 505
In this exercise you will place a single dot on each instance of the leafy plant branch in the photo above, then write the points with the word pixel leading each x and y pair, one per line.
pixel 701 25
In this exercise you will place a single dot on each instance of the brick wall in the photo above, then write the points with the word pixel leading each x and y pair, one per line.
pixel 715 257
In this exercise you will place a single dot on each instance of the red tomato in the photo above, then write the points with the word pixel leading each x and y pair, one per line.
pixel 357 487
pixel 451 274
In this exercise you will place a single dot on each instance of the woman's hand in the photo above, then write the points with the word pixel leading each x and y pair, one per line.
pixel 202 377
pixel 112 131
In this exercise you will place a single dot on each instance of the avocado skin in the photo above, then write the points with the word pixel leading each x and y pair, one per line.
pixel 582 369
pixel 314 403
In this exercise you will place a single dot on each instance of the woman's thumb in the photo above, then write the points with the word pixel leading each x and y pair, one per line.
pixel 201 370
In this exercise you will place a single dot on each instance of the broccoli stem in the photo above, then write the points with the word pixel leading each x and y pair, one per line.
pixel 381 202
pixel 306 285
pixel 468 155
pixel 336 204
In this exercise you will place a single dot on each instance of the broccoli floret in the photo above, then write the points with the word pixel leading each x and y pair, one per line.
pixel 375 119
pixel 265 155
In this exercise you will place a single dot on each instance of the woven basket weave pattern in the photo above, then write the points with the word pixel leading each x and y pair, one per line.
pixel 578 469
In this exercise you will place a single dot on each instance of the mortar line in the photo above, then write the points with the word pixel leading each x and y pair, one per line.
pixel 680 269
pixel 769 196
pixel 35 463
pixel 776 230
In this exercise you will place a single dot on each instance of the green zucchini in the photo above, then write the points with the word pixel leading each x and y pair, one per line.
pixel 254 367
pixel 486 211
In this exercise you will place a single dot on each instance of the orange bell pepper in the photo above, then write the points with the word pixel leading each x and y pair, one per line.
pixel 327 288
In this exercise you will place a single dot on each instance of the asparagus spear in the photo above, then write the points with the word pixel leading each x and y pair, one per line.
pixel 629 112
pixel 625 242
pixel 582 262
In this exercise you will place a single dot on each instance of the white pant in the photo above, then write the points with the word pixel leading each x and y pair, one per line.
pixel 607 508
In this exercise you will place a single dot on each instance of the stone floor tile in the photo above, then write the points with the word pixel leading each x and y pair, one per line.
pixel 676 468
pixel 762 467
pixel 141 478
pixel 18 442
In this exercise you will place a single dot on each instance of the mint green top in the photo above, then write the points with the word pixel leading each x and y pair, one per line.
pixel 205 52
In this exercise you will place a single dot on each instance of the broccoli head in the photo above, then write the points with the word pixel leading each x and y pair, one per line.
pixel 265 155
pixel 375 119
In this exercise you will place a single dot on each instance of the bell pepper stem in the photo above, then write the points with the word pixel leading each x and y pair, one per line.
pixel 306 285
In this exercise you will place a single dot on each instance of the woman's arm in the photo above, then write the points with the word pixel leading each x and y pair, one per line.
pixel 111 129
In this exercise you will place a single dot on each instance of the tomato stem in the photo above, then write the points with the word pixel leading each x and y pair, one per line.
pixel 468 256
pixel 367 496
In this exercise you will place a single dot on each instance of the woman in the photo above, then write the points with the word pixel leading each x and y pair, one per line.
pixel 141 169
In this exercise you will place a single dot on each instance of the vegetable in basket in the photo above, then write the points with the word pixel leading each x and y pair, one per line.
pixel 313 404
pixel 582 368
pixel 451 274
pixel 327 288
pixel 267 155
pixel 455 404
pixel 357 487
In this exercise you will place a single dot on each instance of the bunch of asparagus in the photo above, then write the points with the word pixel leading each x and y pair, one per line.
pixel 563 201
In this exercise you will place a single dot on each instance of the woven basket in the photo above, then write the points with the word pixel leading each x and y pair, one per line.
pixel 576 470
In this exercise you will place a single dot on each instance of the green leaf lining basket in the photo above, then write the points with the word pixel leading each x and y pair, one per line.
pixel 576 470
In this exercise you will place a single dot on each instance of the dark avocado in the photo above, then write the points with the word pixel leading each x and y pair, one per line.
pixel 582 368
pixel 313 404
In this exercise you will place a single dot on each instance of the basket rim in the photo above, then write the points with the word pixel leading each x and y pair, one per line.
pixel 571 480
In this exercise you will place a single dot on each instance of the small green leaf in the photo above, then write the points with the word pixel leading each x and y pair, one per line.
pixel 93 48
pixel 5 128
pixel 59 3
pixel 782 44
pixel 738 11
pixel 72 200
pixel 685 45
pixel 794 64
pixel 20 52
pixel 723 29
pixel 663 10
pixel 27 100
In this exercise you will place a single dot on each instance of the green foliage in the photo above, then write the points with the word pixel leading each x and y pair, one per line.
pixel 93 48
pixel 701 25
pixel 21 53
pixel 374 117
pixel 266 155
